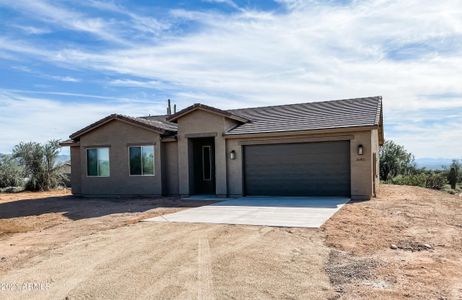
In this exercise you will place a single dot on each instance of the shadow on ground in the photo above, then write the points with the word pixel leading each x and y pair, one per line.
pixel 81 208
pixel 286 202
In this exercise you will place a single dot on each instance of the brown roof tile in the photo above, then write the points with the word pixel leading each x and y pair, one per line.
pixel 357 112
pixel 310 116
pixel 225 113
pixel 160 126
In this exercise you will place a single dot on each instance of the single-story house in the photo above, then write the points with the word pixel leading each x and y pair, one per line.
pixel 327 148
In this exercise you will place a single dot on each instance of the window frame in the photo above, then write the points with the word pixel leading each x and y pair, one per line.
pixel 153 161
pixel 97 165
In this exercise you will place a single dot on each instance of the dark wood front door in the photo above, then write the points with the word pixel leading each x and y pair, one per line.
pixel 204 165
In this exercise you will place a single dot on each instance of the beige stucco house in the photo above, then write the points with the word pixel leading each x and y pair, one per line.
pixel 327 148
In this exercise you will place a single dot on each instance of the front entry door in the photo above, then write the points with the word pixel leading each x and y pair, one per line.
pixel 204 165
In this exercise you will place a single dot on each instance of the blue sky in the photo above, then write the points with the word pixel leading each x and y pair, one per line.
pixel 65 64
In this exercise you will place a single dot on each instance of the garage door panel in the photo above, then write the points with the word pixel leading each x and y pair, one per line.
pixel 298 169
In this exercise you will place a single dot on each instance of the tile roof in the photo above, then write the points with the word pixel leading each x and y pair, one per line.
pixel 160 122
pixel 162 127
pixel 196 106
pixel 356 112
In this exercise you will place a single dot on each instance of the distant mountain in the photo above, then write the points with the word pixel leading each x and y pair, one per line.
pixel 432 163
pixel 63 158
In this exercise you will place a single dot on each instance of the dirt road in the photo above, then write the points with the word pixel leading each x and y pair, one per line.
pixel 426 228
pixel 94 249
pixel 181 261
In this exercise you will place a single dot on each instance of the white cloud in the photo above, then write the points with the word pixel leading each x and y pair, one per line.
pixel 40 119
pixel 139 22
pixel 32 29
pixel 18 94
pixel 230 3
pixel 152 84
pixel 65 78
pixel 315 51
pixel 45 75
pixel 66 18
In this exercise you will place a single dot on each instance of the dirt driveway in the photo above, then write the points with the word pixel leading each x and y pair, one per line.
pixel 88 248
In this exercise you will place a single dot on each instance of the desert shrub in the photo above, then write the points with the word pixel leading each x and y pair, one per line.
pixel 428 180
pixel 435 181
pixel 453 178
pixel 40 165
pixel 12 189
pixel 11 174
pixel 454 172
pixel 415 180
pixel 394 161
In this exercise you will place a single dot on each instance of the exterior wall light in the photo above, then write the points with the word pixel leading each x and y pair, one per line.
pixel 360 149
pixel 232 155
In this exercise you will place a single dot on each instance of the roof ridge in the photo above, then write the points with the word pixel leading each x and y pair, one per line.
pixel 312 102
pixel 149 116
pixel 195 106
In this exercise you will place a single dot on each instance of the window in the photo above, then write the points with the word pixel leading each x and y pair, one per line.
pixel 206 163
pixel 141 160
pixel 98 162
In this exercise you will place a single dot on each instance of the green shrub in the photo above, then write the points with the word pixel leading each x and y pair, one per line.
pixel 40 165
pixel 11 174
pixel 435 181
pixel 12 189
pixel 453 178
pixel 394 161
pixel 428 180
pixel 415 180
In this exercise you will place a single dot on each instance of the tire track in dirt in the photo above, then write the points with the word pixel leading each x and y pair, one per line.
pixel 205 284
pixel 159 264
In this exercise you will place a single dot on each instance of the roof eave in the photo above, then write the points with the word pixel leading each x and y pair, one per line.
pixel 69 143
pixel 111 118
pixel 379 121
pixel 301 131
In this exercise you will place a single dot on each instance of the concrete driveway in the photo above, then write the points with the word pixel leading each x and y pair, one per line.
pixel 268 211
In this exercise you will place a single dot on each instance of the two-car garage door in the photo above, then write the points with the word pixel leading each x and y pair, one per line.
pixel 298 169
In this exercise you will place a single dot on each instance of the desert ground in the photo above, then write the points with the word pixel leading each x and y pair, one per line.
pixel 404 244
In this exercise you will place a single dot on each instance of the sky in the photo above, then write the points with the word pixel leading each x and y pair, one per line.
pixel 66 64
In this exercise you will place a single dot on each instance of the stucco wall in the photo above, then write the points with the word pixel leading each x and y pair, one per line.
pixel 118 135
pixel 361 166
pixel 173 171
pixel 170 168
pixel 375 149
pixel 229 177
pixel 75 170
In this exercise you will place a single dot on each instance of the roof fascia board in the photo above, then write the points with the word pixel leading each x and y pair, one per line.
pixel 69 144
pixel 169 139
pixel 300 132
pixel 115 118
pixel 298 139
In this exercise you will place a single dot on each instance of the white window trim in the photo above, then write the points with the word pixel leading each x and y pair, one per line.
pixel 154 161
pixel 97 166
